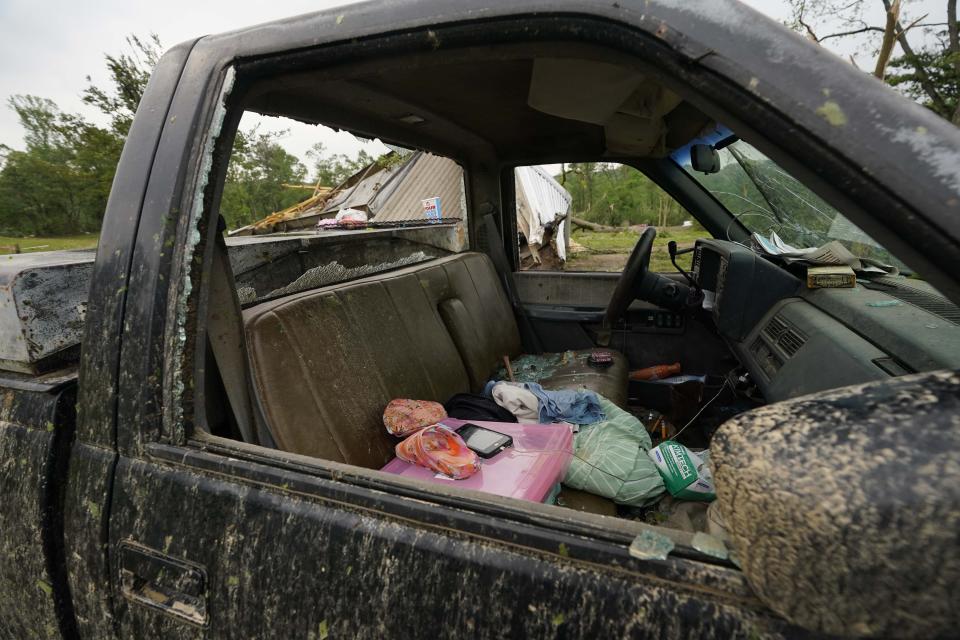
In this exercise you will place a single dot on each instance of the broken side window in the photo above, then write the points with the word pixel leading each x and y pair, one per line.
pixel 305 206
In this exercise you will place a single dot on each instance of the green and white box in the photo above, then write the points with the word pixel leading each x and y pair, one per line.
pixel 685 473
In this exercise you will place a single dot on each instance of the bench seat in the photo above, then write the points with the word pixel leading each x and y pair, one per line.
pixel 326 362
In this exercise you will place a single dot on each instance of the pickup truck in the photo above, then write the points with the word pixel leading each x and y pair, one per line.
pixel 191 442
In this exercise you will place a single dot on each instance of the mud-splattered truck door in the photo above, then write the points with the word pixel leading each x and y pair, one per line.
pixel 201 537
pixel 123 514
pixel 36 423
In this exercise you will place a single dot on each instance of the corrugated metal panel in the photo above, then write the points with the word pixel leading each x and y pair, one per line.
pixel 359 195
pixel 546 196
pixel 396 177
pixel 429 176
pixel 358 192
pixel 540 199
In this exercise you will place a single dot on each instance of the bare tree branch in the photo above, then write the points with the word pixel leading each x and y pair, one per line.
pixel 798 11
pixel 915 23
pixel 851 33
pixel 810 34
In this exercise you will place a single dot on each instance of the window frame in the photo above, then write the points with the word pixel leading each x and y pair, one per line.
pixel 200 444
pixel 184 443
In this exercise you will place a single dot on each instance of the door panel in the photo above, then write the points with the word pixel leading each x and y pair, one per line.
pixel 566 288
pixel 566 310
pixel 36 427
pixel 288 554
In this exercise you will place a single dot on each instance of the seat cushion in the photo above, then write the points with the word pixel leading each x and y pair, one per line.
pixel 570 370
pixel 326 362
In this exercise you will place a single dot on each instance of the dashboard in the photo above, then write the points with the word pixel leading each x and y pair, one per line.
pixel 796 341
pixel 739 286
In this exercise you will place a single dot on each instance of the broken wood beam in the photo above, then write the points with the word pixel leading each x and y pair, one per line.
pixel 593 226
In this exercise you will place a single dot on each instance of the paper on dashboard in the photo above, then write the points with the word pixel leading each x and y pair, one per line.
pixel 832 253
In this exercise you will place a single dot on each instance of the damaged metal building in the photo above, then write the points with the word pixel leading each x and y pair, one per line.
pixel 391 192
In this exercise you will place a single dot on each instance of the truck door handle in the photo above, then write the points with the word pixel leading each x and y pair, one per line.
pixel 153 579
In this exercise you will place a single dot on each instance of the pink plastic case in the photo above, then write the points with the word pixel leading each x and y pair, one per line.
pixel 528 470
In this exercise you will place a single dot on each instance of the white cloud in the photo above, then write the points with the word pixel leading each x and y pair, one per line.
pixel 48 48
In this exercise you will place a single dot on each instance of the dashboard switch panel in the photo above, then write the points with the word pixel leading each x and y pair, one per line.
pixel 655 321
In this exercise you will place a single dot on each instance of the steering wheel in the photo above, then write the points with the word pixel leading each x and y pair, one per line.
pixel 638 264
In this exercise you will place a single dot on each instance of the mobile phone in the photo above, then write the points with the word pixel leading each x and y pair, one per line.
pixel 485 442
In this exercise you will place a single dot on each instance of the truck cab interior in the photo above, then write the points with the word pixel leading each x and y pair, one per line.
pixel 309 369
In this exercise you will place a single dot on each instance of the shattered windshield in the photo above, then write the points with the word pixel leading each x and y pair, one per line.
pixel 765 198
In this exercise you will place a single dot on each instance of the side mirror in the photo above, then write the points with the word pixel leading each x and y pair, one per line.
pixel 704 158
pixel 843 506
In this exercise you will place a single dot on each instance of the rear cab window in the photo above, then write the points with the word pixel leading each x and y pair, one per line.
pixel 307 206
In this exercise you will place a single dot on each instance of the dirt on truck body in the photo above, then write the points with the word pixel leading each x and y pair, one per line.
pixel 199 431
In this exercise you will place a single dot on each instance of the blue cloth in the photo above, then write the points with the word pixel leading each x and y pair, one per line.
pixel 565 405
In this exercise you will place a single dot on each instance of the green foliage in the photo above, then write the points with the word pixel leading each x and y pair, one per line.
pixel 59 183
pixel 618 195
pixel 941 68
pixel 928 70
pixel 764 198
pixel 332 169
pixel 129 74
pixel 258 170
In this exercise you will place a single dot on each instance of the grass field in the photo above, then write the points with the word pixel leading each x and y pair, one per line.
pixel 9 244
pixel 608 251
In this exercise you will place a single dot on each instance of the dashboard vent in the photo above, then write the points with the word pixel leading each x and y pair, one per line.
pixel 790 341
pixel 785 336
pixel 769 362
pixel 775 328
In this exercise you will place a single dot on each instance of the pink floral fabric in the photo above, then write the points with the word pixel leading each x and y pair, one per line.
pixel 404 416
pixel 440 449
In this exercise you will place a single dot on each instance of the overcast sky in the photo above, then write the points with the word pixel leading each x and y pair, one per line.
pixel 48 48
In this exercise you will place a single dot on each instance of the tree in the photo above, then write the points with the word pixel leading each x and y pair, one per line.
pixel 332 169
pixel 930 74
pixel 617 195
pixel 59 183
pixel 258 170
pixel 129 74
